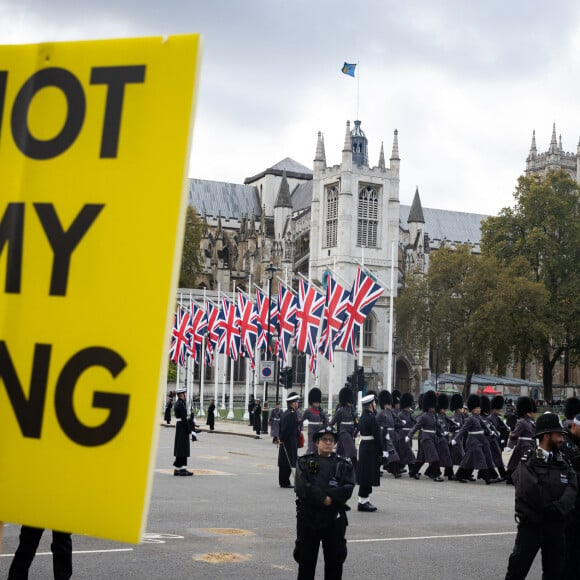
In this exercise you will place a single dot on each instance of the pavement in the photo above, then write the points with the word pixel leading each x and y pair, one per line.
pixel 232 520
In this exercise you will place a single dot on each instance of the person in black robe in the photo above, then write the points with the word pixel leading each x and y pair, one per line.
pixel 211 415
pixel 182 432
pixel 288 444
pixel 257 421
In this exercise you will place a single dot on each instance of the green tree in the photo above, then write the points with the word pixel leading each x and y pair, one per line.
pixel 190 257
pixel 541 234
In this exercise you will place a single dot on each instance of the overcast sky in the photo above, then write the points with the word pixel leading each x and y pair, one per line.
pixel 465 83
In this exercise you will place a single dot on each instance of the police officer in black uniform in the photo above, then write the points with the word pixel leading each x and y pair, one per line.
pixel 324 483
pixel 571 451
pixel 546 489
pixel 289 434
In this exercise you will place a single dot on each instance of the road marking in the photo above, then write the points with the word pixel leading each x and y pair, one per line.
pixel 76 552
pixel 431 537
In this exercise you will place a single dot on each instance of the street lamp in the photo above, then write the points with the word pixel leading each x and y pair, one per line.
pixel 566 362
pixel 270 269
pixel 395 338
pixel 436 349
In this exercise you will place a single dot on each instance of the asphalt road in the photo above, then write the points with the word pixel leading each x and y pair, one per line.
pixel 231 520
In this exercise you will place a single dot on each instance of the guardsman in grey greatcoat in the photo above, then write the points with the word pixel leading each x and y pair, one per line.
pixel 458 418
pixel 403 425
pixel 182 431
pixel 427 424
pixel 345 422
pixel 443 429
pixel 370 453
pixel 315 416
pixel 386 421
pixel 522 436
pixel 289 434
pixel 493 438
pixel 274 421
pixel 495 419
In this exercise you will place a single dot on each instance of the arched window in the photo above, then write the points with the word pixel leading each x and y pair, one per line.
pixel 331 216
pixel 369 331
pixel 368 217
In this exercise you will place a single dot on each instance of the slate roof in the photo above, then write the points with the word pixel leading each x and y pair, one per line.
pixel 292 168
pixel 442 224
pixel 230 200
pixel 302 196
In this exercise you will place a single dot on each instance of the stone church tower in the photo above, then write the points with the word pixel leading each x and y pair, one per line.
pixel 355 218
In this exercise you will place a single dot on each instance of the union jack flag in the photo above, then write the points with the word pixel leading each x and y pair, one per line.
pixel 198 329
pixel 262 309
pixel 287 305
pixel 314 363
pixel 308 315
pixel 337 299
pixel 248 327
pixel 230 339
pixel 180 337
pixel 365 292
pixel 214 330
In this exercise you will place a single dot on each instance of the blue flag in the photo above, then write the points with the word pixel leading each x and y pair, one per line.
pixel 348 69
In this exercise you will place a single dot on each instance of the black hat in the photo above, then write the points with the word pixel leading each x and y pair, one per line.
pixel 525 405
pixel 328 430
pixel 473 401
pixel 396 396
pixel 497 402
pixel 485 405
pixel 429 400
pixel 548 423
pixel 385 398
pixel 314 396
pixel 571 407
pixel 345 396
pixel 442 402
pixel 406 400
pixel 456 402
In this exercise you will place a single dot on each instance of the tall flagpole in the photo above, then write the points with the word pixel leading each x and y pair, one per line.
pixel 360 346
pixel 216 361
pixel 201 412
pixel 231 405
pixel 177 364
pixel 357 88
pixel 247 399
pixel 391 317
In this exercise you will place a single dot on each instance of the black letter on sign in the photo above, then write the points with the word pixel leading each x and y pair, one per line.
pixel 118 405
pixel 64 243
pixel 75 96
pixel 12 231
pixel 3 79
pixel 29 412
pixel 116 77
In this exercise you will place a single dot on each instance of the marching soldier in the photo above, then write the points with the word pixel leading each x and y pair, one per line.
pixel 495 419
pixel 324 483
pixel 493 437
pixel 315 417
pixel 458 418
pixel 403 425
pixel 443 429
pixel 289 434
pixel 522 436
pixel 370 453
pixel 346 421
pixel 546 490
pixel 274 421
pixel 571 409
pixel 182 431
pixel 386 421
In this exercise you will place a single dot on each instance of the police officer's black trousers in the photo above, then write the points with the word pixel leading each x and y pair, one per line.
pixel 548 537
pixel 573 545
pixel 61 548
pixel 308 538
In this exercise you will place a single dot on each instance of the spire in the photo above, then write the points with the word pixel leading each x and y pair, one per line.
pixel 346 146
pixel 416 211
pixel 382 157
pixel 395 153
pixel 560 142
pixel 533 149
pixel 283 199
pixel 323 150
pixel 553 142
pixel 359 145
pixel 320 155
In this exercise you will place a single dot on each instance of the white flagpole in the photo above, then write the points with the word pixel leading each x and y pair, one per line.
pixel 284 391
pixel 201 412
pixel 391 300
pixel 246 415
pixel 307 369
pixel 216 361
pixel 177 365
pixel 360 345
pixel 231 405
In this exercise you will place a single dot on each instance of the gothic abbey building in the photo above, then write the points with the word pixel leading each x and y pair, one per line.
pixel 333 218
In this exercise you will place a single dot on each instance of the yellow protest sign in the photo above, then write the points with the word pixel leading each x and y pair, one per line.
pixel 94 143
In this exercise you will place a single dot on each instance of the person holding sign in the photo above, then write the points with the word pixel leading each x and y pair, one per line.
pixel 61 548
pixel 182 431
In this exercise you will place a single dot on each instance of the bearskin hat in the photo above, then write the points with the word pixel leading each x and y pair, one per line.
pixel 406 400
pixel 385 398
pixel 429 400
pixel 396 396
pixel 473 401
pixel 525 405
pixel 571 407
pixel 456 402
pixel 314 396
pixel 442 402
pixel 345 396
pixel 420 401
pixel 485 405
pixel 497 402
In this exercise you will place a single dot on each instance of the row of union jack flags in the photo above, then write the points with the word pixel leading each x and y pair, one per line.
pixel 312 321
